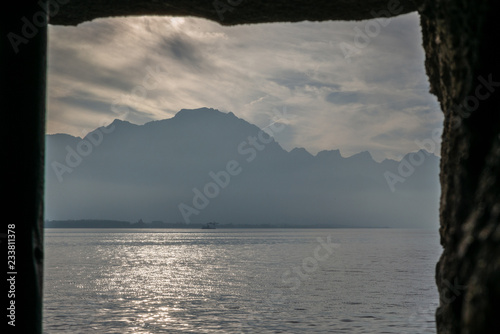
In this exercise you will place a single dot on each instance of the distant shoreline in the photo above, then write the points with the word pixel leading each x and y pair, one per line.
pixel 87 223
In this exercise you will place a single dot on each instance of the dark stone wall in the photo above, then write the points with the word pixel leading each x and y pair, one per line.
pixel 22 100
pixel 462 62
pixel 230 12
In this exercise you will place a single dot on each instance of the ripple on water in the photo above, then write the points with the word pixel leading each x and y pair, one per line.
pixel 244 281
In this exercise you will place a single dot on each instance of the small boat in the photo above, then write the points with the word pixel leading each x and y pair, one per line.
pixel 209 226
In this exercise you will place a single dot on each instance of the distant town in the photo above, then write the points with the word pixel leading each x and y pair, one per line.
pixel 98 223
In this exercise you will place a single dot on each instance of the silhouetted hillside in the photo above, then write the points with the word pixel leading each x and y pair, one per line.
pixel 204 165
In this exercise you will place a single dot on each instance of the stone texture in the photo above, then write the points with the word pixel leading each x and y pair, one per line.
pixel 233 11
pixel 22 96
pixel 459 39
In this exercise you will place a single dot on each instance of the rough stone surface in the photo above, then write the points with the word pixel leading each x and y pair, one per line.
pixel 230 12
pixel 23 79
pixel 459 38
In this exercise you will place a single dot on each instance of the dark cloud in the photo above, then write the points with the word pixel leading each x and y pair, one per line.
pixel 183 50
pixel 293 80
pixel 77 65
pixel 85 102
pixel 392 136
pixel 344 97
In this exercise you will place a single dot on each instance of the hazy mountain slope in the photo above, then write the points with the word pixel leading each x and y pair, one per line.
pixel 126 172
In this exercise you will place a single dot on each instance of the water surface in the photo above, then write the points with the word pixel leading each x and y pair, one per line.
pixel 240 280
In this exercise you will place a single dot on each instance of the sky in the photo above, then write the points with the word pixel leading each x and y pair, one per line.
pixel 353 86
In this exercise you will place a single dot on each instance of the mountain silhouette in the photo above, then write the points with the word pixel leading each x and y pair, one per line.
pixel 204 165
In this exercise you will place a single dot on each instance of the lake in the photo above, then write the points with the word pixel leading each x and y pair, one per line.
pixel 240 280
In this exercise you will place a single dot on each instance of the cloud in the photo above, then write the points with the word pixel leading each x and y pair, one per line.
pixel 296 80
pixel 251 70
pixel 344 97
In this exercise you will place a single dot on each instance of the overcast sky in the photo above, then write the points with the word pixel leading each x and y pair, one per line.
pixel 147 68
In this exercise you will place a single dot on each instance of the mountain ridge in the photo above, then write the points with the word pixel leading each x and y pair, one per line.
pixel 124 171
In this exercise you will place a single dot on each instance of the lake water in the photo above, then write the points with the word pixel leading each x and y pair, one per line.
pixel 240 281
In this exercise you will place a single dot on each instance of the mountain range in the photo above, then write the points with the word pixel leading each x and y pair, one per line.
pixel 205 165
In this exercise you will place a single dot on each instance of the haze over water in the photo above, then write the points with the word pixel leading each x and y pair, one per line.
pixel 235 280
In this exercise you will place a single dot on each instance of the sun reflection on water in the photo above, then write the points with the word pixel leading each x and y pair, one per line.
pixel 194 282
